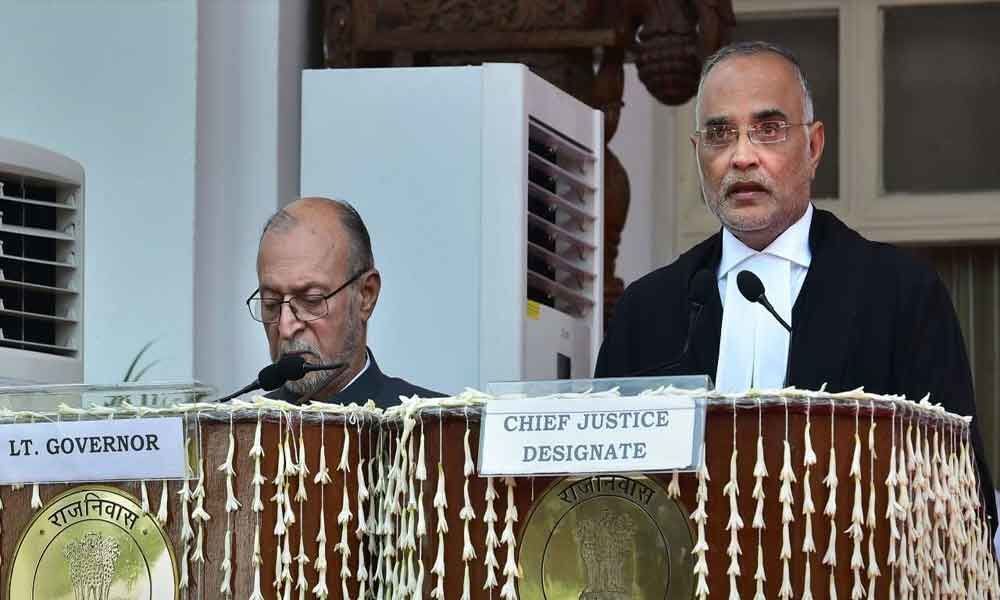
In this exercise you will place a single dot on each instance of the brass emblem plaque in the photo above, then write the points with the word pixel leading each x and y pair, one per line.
pixel 93 542
pixel 606 537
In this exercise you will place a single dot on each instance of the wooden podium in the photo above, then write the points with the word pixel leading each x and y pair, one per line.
pixel 208 430
pixel 405 514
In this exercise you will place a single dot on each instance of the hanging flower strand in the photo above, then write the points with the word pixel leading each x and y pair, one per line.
pixel 490 520
pixel 232 505
pixel 200 515
pixel 280 519
pixel 786 497
pixel 855 531
pixel 732 491
pixel 510 569
pixel 301 558
pixel 322 479
pixel 467 514
pixel 873 570
pixel 187 533
pixel 892 508
pixel 362 530
pixel 257 506
pixel 808 507
pixel 441 504
pixel 759 474
pixel 830 510
pixel 700 516
pixel 345 515
pixel 420 475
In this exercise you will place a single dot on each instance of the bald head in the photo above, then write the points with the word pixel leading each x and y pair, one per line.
pixel 329 216
pixel 756 48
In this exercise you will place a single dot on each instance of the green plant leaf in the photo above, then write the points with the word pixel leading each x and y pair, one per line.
pixel 142 372
pixel 135 361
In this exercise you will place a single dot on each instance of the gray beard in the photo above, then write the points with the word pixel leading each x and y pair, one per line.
pixel 310 384
pixel 315 381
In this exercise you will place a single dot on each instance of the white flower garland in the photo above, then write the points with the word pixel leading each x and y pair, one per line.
pixel 937 541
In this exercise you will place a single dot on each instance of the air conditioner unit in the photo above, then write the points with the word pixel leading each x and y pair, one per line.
pixel 482 188
pixel 41 265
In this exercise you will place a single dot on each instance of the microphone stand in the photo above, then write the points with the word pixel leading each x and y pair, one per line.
pixel 287 368
pixel 254 385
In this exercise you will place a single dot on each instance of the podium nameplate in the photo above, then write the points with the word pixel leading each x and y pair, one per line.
pixel 102 450
pixel 590 434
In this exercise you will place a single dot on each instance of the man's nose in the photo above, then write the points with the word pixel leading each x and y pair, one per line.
pixel 744 153
pixel 288 323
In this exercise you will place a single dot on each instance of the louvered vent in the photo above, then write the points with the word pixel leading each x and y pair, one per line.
pixel 562 188
pixel 41 242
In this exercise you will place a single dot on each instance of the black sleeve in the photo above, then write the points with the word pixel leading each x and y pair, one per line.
pixel 612 360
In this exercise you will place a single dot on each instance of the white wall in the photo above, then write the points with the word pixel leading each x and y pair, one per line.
pixel 250 59
pixel 111 84
pixel 185 116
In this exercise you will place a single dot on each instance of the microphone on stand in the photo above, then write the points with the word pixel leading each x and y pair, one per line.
pixel 703 285
pixel 752 289
pixel 290 367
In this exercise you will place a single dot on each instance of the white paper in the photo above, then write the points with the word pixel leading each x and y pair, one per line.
pixel 589 435
pixel 102 450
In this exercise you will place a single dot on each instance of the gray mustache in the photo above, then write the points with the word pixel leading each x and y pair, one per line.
pixel 296 347
pixel 728 183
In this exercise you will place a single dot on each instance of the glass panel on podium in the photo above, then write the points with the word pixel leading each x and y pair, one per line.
pixel 47 398
pixel 627 386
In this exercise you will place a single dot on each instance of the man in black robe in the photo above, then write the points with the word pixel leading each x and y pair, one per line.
pixel 863 314
pixel 318 287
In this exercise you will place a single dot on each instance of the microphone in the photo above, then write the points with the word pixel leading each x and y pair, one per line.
pixel 703 285
pixel 290 367
pixel 752 289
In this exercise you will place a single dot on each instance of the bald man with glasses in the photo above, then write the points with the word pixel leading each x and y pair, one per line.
pixel 318 287
pixel 862 314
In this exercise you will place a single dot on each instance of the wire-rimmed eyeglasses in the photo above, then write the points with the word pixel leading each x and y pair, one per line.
pixel 305 307
pixel 765 132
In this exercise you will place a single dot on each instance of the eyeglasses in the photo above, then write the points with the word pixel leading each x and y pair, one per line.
pixel 305 307
pixel 765 132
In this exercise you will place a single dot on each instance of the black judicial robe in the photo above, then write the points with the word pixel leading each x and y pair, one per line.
pixel 373 384
pixel 868 315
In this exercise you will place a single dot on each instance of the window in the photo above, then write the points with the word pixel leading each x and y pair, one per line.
pixel 942 89
pixel 41 296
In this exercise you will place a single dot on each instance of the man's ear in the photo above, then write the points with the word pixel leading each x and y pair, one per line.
pixel 817 140
pixel 371 285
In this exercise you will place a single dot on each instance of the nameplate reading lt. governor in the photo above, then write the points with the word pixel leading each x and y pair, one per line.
pixel 562 436
pixel 101 450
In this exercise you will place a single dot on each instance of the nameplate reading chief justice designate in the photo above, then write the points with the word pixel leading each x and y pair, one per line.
pixel 580 435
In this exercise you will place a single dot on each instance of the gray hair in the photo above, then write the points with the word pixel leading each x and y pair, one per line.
pixel 360 257
pixel 751 49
